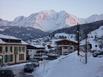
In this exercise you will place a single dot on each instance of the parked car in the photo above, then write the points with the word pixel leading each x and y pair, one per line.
pixel 6 73
pixel 66 53
pixel 96 54
pixel 39 58
pixel 3 65
pixel 52 56
pixel 28 68
pixel 35 62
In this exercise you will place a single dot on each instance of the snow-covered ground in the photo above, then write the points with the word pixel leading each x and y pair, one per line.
pixel 95 38
pixel 66 66
pixel 71 66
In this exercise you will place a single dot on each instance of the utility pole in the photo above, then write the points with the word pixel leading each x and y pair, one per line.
pixel 86 49
pixel 78 38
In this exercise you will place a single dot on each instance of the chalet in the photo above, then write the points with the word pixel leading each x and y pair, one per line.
pixel 35 51
pixel 12 50
pixel 31 51
pixel 65 46
pixel 40 52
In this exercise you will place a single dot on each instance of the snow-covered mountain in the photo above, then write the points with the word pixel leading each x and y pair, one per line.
pixel 90 19
pixel 4 22
pixel 49 20
pixel 46 20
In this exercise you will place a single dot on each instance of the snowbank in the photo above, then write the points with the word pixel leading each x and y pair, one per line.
pixel 71 66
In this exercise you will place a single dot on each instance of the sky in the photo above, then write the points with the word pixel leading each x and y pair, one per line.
pixel 9 9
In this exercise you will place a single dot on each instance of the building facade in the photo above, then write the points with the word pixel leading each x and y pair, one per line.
pixel 12 50
pixel 65 46
pixel 35 51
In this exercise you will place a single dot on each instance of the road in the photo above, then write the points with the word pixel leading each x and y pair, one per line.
pixel 18 70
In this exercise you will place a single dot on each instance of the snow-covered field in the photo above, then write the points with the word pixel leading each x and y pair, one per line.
pixel 71 66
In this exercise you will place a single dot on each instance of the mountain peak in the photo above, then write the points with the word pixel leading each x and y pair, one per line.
pixel 50 20
pixel 47 20
pixel 92 18
pixel 19 18
pixel 47 11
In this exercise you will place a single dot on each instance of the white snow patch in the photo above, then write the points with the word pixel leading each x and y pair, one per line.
pixel 70 66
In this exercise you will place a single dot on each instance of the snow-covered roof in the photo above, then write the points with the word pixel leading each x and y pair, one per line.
pixel 60 34
pixel 1 41
pixel 23 42
pixel 10 37
pixel 39 46
pixel 64 34
pixel 71 37
pixel 54 40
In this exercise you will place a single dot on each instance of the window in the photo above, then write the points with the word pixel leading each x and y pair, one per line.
pixel 19 49
pixel 95 45
pixel 21 57
pixel 15 50
pixel 6 49
pixel 23 49
pixel 0 49
pixel 71 47
pixel 11 49
pixel 8 58
pixel 65 47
